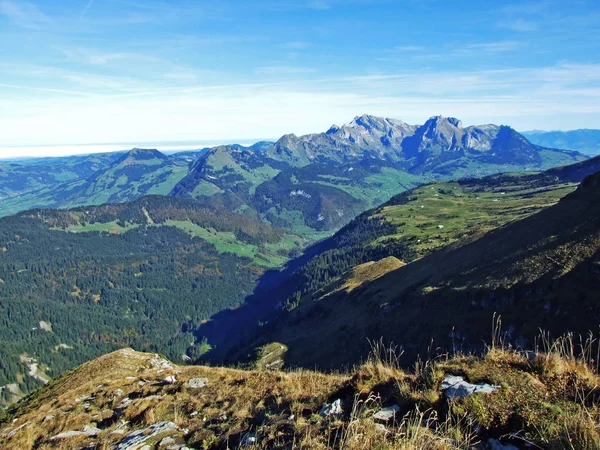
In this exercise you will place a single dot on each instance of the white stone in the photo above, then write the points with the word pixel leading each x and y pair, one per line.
pixel 134 441
pixel 333 408
pixel 249 440
pixel 455 386
pixel 386 414
pixel 197 383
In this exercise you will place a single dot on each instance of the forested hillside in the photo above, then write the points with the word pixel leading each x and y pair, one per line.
pixel 77 283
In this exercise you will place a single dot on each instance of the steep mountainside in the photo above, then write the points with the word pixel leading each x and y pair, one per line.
pixel 410 226
pixel 541 271
pixel 77 283
pixel 585 141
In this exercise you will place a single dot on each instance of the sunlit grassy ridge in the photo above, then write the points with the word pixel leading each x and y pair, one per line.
pixel 547 398
pixel 435 215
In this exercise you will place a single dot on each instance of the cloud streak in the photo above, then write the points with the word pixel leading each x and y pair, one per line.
pixel 24 14
pixel 554 96
pixel 85 10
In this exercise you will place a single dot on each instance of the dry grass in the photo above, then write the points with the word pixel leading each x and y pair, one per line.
pixel 549 398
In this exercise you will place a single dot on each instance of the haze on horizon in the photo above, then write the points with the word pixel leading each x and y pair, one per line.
pixel 93 72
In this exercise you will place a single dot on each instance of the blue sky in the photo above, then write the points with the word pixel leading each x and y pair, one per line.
pixel 131 71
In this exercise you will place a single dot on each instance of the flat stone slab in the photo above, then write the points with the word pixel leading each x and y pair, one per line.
pixel 197 383
pixel 456 387
pixel 386 414
pixel 85 431
pixel 136 440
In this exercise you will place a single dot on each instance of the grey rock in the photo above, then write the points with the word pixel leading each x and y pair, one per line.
pixel 456 387
pixel 166 442
pixel 386 414
pixel 67 435
pixel 333 408
pixel 135 440
pixel 85 431
pixel 91 431
pixel 197 383
pixel 124 404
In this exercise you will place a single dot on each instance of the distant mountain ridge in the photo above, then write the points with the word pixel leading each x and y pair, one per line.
pixel 310 184
pixel 413 145
pixel 584 140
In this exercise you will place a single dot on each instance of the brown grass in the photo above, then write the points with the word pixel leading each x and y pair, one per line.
pixel 549 398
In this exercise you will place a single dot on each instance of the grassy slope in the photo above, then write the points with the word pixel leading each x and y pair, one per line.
pixel 545 398
pixel 541 271
pixel 270 255
pixel 123 180
pixel 438 214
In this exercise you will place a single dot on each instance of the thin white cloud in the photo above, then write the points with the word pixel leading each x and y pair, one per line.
pixel 409 48
pixel 493 47
pixel 87 7
pixel 521 25
pixel 24 14
pixel 562 96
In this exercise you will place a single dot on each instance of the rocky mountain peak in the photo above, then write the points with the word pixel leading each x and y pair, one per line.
pixel 441 121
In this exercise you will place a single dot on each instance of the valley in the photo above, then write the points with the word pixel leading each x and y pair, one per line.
pixel 295 255
pixel 146 274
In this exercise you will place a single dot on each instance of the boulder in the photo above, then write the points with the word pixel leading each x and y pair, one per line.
pixel 456 387
pixel 85 431
pixel 386 414
pixel 135 440
pixel 197 383
pixel 333 408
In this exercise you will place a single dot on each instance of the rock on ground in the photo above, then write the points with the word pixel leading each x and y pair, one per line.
pixel 456 387
pixel 333 408
pixel 135 440
pixel 85 431
pixel 386 414
pixel 196 383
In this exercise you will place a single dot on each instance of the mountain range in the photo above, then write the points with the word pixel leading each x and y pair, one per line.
pixel 586 141
pixel 312 184
pixel 313 245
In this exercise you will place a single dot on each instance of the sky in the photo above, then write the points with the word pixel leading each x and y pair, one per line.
pixel 93 74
